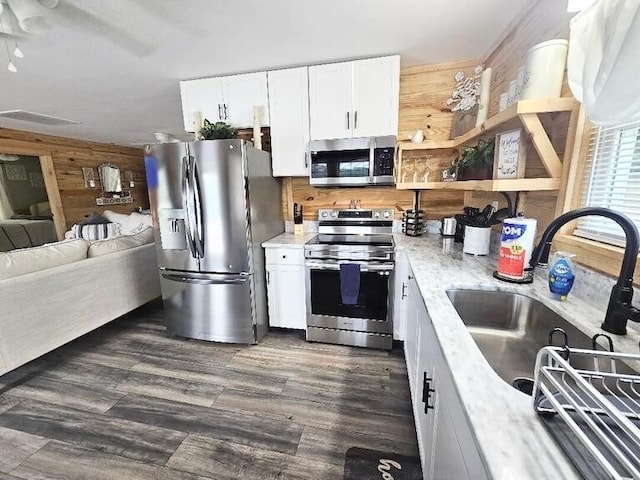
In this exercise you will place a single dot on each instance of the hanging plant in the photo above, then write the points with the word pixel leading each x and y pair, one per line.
pixel 218 130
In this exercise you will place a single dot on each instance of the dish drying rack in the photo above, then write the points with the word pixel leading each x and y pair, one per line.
pixel 590 402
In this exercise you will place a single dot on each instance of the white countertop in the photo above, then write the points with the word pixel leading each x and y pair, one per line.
pixel 513 441
pixel 289 240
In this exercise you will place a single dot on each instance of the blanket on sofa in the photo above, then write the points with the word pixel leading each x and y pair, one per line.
pixel 25 233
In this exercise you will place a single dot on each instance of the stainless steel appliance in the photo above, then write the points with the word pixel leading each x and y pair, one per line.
pixel 351 236
pixel 353 162
pixel 215 202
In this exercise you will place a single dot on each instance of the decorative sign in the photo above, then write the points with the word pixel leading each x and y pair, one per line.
pixel 36 179
pixel 16 173
pixel 509 157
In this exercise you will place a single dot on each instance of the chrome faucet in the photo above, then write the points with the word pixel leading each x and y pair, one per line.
pixel 620 309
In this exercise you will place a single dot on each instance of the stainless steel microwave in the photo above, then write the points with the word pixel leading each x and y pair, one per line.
pixel 353 162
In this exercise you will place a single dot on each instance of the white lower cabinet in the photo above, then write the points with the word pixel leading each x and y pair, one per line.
pixel 447 447
pixel 400 296
pixel 286 291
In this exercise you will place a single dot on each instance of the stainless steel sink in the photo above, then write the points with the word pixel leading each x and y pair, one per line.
pixel 510 329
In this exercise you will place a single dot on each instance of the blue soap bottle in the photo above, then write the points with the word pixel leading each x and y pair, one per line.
pixel 561 274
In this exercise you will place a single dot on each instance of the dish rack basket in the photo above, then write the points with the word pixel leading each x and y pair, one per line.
pixel 590 402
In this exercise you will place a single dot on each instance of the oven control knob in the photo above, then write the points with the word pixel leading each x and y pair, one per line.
pixel 334 214
pixel 386 214
pixel 376 215
pixel 324 214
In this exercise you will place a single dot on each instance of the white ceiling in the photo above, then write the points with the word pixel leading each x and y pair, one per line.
pixel 117 70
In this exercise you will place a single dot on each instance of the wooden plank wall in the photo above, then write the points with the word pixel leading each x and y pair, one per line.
pixel 62 160
pixel 424 90
pixel 541 20
pixel 435 203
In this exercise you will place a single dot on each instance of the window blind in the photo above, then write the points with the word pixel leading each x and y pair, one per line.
pixel 611 180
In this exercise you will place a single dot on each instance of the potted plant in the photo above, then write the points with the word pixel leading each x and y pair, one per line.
pixel 474 163
pixel 218 130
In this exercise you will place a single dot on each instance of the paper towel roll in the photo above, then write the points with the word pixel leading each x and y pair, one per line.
pixel 518 235
pixel 483 106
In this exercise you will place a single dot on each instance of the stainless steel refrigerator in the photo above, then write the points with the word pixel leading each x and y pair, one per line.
pixel 214 203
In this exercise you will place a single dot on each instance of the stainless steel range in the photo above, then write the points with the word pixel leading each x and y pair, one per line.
pixel 349 274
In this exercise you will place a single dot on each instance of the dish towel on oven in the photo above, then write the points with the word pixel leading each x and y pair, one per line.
pixel 349 283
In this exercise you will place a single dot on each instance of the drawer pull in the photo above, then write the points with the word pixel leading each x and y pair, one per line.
pixel 426 393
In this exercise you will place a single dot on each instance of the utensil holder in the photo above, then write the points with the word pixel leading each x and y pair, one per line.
pixel 476 240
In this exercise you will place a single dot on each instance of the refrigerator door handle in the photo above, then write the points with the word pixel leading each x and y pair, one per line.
pixel 197 201
pixel 186 174
pixel 208 279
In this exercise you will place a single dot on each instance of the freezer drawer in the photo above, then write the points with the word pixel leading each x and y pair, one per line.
pixel 209 307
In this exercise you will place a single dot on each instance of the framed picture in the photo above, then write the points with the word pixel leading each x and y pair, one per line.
pixel 510 155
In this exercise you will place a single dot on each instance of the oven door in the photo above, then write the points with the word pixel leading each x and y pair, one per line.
pixel 324 300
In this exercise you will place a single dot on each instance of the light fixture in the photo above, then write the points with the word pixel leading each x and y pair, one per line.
pixel 29 15
pixel 17 52
pixel 18 17
pixel 11 67
pixel 89 178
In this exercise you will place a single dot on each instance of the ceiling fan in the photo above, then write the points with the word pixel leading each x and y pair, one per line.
pixel 22 18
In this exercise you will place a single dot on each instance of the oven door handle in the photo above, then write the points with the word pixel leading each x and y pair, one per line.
pixel 385 267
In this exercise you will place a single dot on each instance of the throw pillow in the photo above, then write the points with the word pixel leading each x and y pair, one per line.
pixel 94 219
pixel 132 223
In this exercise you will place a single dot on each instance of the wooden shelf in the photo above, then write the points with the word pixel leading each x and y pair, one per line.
pixel 503 185
pixel 523 107
pixel 523 114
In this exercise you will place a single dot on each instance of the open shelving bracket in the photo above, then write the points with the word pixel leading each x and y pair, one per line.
pixel 527 111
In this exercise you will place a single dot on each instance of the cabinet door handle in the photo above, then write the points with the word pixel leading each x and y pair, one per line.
pixel 306 159
pixel 404 293
pixel 226 116
pixel 268 277
pixel 426 393
pixel 220 112
pixel 348 120
pixel 410 277
pixel 355 119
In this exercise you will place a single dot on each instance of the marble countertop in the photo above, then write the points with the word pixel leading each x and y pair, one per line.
pixel 289 240
pixel 513 441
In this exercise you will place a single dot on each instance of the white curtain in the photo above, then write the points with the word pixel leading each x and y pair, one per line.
pixel 6 210
pixel 602 64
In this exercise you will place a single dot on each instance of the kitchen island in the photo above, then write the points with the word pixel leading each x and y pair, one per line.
pixel 511 441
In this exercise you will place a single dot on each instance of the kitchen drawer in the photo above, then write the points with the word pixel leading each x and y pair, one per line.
pixel 285 256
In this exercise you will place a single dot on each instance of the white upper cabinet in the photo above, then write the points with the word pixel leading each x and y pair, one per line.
pixel 376 93
pixel 241 94
pixel 205 96
pixel 289 110
pixel 331 100
pixel 225 99
pixel 355 99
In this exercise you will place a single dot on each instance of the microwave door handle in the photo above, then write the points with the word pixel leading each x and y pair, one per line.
pixel 348 120
pixel 372 163
pixel 186 199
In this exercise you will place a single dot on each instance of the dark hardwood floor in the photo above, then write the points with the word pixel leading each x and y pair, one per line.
pixel 127 402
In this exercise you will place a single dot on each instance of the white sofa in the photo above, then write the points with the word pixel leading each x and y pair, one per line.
pixel 45 309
